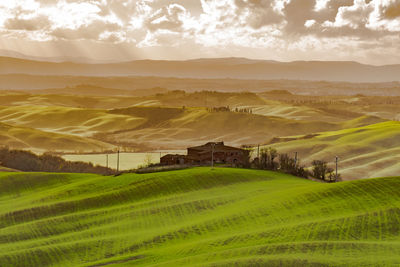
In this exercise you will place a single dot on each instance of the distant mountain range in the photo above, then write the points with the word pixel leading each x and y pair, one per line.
pixel 84 60
pixel 219 68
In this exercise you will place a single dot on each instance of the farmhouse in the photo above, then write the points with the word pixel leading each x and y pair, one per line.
pixel 201 155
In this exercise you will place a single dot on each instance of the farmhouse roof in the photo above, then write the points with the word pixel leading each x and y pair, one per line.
pixel 217 146
pixel 172 155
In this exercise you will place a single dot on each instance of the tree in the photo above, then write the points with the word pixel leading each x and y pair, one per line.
pixel 273 154
pixel 247 158
pixel 320 169
pixel 332 176
pixel 287 164
pixel 267 157
pixel 291 166
pixel 148 160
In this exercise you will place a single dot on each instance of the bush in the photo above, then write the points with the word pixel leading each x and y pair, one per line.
pixel 322 171
pixel 291 166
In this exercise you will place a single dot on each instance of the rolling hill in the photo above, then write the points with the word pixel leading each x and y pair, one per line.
pixel 369 151
pixel 77 121
pixel 86 96
pixel 92 90
pixel 154 127
pixel 177 128
pixel 212 68
pixel 13 98
pixel 197 217
pixel 32 139
pixel 4 169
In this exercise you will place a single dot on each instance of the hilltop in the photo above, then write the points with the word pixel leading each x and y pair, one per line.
pixel 193 217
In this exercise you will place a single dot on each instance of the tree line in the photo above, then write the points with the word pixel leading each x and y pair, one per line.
pixel 27 161
pixel 270 159
pixel 228 109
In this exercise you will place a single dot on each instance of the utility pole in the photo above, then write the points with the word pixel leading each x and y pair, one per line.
pixel 118 160
pixel 212 156
pixel 107 160
pixel 295 159
pixel 336 161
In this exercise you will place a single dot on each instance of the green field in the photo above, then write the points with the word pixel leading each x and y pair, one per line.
pixel 197 217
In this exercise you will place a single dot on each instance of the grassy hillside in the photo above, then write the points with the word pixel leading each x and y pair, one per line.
pixel 197 217
pixel 76 121
pixel 14 98
pixel 177 128
pixel 86 96
pixel 92 90
pixel 165 127
pixel 4 169
pixel 369 151
pixel 33 139
pixel 157 127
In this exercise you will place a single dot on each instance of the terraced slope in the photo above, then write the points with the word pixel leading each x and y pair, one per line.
pixel 369 151
pixel 197 217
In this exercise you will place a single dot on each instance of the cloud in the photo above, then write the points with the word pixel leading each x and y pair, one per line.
pixel 28 23
pixel 391 10
pixel 170 18
pixel 257 13
pixel 355 16
pixel 91 31
pixel 279 26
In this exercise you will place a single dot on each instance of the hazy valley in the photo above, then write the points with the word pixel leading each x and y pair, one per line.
pixel 89 118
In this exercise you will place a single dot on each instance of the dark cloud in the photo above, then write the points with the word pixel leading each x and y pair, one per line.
pixel 257 13
pixel 297 12
pixel 28 24
pixel 392 11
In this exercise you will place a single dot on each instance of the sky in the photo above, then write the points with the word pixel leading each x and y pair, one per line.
pixel 366 31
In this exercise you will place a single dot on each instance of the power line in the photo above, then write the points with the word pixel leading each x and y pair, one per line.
pixel 336 161
pixel 212 156
pixel 118 160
